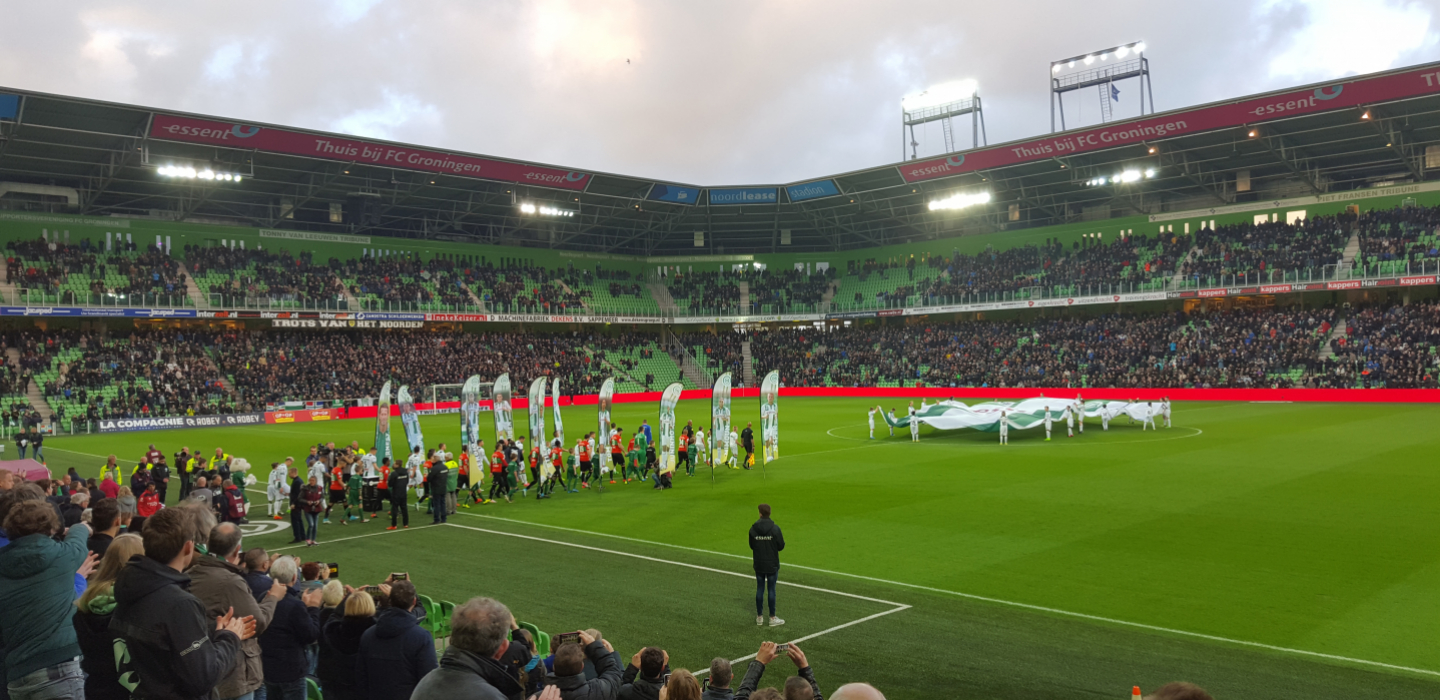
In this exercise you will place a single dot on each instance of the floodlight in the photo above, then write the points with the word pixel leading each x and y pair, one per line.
pixel 943 93
pixel 1150 172
pixel 1072 63
pixel 1055 68
pixel 1139 47
pixel 960 200
pixel 1089 59
pixel 1104 56
pixel 1128 176
pixel 1122 52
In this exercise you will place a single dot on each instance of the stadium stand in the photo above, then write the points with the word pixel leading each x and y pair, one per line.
pixel 237 277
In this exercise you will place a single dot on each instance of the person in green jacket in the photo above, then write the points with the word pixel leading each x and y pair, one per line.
pixel 352 501
pixel 38 582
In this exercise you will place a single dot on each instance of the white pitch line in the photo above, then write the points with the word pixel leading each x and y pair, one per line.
pixel 999 601
pixel 673 563
pixel 821 633
pixel 342 539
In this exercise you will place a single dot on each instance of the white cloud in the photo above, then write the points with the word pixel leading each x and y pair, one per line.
pixel 1348 37
pixel 396 112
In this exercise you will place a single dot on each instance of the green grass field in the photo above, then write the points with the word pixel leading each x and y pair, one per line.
pixel 1260 550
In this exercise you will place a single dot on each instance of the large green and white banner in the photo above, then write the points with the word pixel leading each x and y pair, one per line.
pixel 410 420
pixel 382 425
pixel 559 424
pixel 666 451
pixel 607 395
pixel 1025 414
pixel 537 413
pixel 770 416
pixel 500 405
pixel 470 414
pixel 720 419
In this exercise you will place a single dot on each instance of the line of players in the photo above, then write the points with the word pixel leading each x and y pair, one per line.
pixel 359 483
pixel 1072 411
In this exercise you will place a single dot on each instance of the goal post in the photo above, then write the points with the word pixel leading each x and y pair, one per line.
pixel 436 394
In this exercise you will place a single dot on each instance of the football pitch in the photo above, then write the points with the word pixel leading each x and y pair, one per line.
pixel 1259 550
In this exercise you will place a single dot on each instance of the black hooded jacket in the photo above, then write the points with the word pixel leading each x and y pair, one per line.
pixel 173 645
pixel 765 545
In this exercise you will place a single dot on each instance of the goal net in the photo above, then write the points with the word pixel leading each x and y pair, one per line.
pixel 437 394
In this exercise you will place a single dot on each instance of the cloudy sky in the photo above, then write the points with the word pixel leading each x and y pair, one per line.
pixel 693 91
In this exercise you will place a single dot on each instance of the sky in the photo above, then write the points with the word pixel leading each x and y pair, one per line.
pixel 689 91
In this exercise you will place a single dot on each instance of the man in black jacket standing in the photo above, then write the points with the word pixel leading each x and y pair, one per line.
pixel 297 503
pixel 766 542
pixel 436 482
pixel 176 651
pixel 747 440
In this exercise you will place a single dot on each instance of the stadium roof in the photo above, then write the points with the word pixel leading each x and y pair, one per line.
pixel 99 158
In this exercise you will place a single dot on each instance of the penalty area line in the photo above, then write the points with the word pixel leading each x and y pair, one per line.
pixel 1000 601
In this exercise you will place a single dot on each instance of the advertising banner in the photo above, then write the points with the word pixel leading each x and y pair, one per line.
pixel 470 414
pixel 720 419
pixel 122 425
pixel 500 408
pixel 536 409
pixel 382 426
pixel 607 397
pixel 559 423
pixel 1280 105
pixel 665 452
pixel 409 420
pixel 770 416
pixel 675 194
pixel 305 416
pixel 744 195
pixel 264 138
pixel 811 190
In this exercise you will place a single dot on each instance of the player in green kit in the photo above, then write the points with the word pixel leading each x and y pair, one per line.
pixel 352 500
pixel 643 446
pixel 572 470
pixel 635 459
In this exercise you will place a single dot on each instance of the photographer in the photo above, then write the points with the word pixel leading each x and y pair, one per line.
pixel 569 669
pixel 651 664
pixel 471 666
pixel 793 685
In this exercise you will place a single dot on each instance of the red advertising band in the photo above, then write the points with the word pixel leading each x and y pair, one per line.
pixel 264 138
pixel 1341 95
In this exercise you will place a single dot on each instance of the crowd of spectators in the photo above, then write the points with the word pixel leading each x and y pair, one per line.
pixel 717 352
pixel 711 292
pixel 49 266
pixel 788 288
pixel 1274 251
pixel 1392 347
pixel 1235 348
pixel 262 274
pixel 1407 233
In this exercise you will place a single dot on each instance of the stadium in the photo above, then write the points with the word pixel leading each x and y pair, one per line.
pixel 1105 409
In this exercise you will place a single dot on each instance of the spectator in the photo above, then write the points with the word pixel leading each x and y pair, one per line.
pixel 148 504
pixel 856 691
pixel 650 665
pixel 1179 691
pixel 202 493
pixel 70 512
pixel 105 521
pixel 471 666
pixel 257 576
pixel 126 500
pixel 396 653
pixel 37 583
pixel 570 673
pixel 312 499
pixel 109 487
pixel 217 580
pixel 92 621
pixel 682 686
pixel 720 677
pixel 806 677
pixel 296 624
pixel 176 650
pixel 340 647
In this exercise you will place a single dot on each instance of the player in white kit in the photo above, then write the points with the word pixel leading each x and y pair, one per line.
pixel 914 424
pixel 1069 422
pixel 1004 428
pixel 277 489
pixel 873 411
pixel 1047 424
pixel 1165 410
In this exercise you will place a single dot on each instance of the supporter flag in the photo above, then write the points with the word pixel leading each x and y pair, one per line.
pixel 607 394
pixel 720 419
pixel 537 413
pixel 500 406
pixel 666 451
pixel 770 416
pixel 382 424
pixel 410 420
pixel 469 415
pixel 559 425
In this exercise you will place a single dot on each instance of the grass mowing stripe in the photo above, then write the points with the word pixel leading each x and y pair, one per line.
pixel 987 599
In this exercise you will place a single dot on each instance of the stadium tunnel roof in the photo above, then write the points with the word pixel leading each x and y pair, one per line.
pixel 1360 132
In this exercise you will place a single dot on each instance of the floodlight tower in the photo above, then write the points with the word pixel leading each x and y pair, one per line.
pixel 1115 64
pixel 941 103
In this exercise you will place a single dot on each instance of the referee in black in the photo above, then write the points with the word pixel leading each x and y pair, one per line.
pixel 765 545
pixel 747 440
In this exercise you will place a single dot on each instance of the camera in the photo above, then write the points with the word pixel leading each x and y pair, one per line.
pixel 566 638
pixel 399 576
pixel 334 569
pixel 782 648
